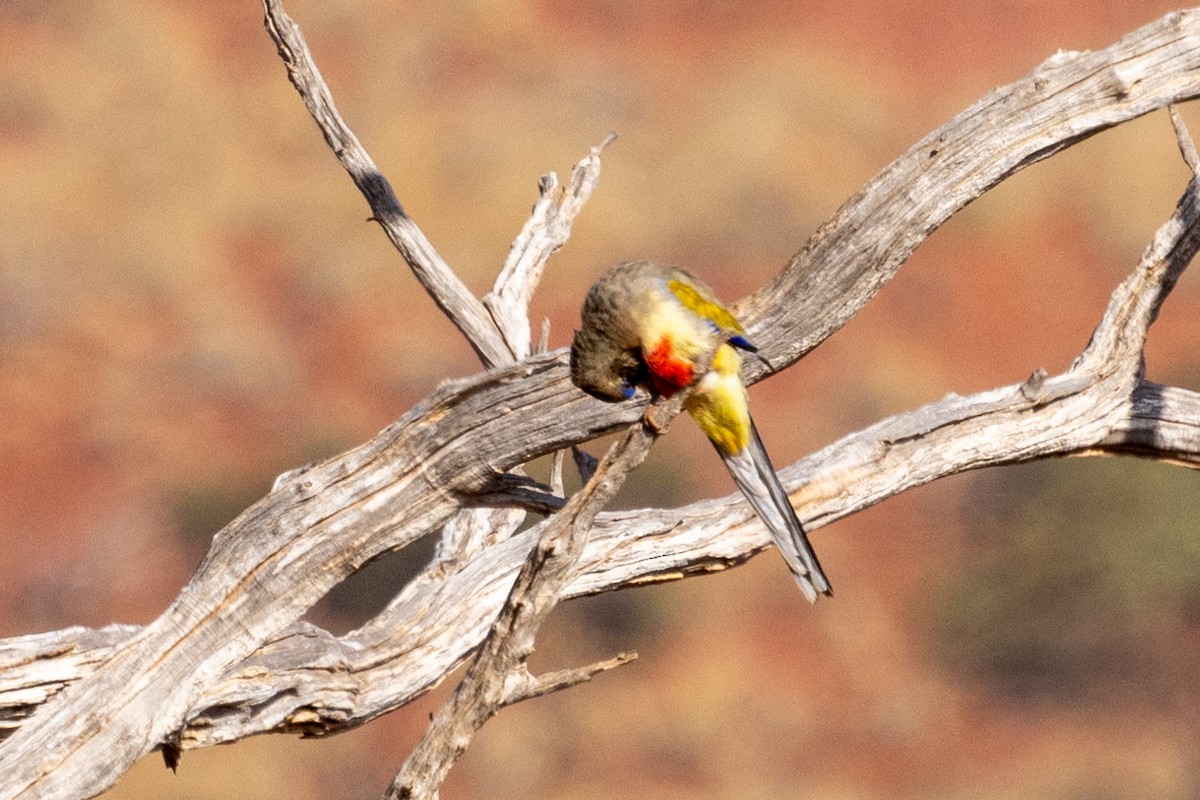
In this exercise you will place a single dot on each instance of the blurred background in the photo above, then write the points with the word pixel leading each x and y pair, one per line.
pixel 192 301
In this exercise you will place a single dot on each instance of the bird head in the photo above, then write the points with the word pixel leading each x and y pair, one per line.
pixel 602 368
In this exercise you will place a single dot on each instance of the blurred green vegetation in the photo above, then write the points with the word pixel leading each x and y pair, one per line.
pixel 1079 576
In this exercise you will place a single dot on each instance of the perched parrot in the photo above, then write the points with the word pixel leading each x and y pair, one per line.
pixel 648 324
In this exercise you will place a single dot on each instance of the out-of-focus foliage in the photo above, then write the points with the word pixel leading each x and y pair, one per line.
pixel 1082 582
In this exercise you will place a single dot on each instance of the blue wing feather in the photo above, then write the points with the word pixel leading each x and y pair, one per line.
pixel 742 343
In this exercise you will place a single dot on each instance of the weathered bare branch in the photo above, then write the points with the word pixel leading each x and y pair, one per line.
pixel 451 295
pixel 305 680
pixel 1068 98
pixel 531 686
pixel 1110 410
pixel 546 230
pixel 498 675
pixel 1187 145
pixel 228 657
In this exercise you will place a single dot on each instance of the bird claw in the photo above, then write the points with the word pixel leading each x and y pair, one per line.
pixel 650 420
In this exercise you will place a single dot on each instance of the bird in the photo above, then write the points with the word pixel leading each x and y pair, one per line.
pixel 653 325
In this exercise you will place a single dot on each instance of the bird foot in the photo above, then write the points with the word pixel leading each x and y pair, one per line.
pixel 650 420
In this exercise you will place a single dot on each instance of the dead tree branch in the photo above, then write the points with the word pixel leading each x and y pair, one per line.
pixel 451 295
pixel 498 675
pixel 228 658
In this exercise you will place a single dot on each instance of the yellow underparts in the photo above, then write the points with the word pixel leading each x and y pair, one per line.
pixel 689 334
pixel 719 403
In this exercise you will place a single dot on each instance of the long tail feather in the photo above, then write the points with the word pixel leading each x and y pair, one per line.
pixel 752 472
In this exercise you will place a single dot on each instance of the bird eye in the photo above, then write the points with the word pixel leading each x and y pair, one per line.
pixel 627 390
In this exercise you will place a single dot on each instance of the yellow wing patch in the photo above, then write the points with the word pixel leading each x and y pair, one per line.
pixel 704 305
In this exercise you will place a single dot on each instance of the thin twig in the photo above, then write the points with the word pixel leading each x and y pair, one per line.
pixel 1187 145
pixel 1135 303
pixel 547 682
pixel 546 230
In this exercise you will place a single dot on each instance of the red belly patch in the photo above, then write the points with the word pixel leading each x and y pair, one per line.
pixel 668 371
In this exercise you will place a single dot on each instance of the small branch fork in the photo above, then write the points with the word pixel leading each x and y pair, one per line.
pixel 229 658
pixel 547 229
pixel 498 674
pixel 499 330
pixel 497 327
pixel 450 294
